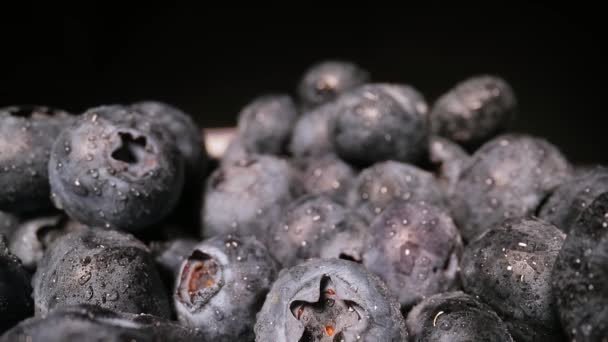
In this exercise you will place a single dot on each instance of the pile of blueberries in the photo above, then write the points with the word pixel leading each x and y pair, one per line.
pixel 350 212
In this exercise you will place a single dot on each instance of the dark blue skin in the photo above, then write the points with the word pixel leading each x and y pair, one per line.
pixel 317 227
pixel 379 122
pixel 383 183
pixel 26 136
pixel 34 236
pixel 509 268
pixel 328 176
pixel 94 324
pixel 248 195
pixel 449 160
pixel 15 290
pixel 101 267
pixel 455 316
pixel 116 168
pixel 580 275
pixel 326 80
pixel 570 199
pixel 8 224
pixel 311 135
pixel 474 111
pixel 265 124
pixel 508 177
pixel 222 285
pixel 328 300
pixel 190 144
pixel 415 248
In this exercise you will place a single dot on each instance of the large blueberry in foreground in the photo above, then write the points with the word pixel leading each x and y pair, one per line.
pixel 509 268
pixel 325 81
pixel 378 122
pixel 33 237
pixel 100 267
pixel 327 300
pixel 265 124
pixel 415 248
pixel 474 110
pixel 455 316
pixel 115 167
pixel 26 136
pixel 222 285
pixel 15 289
pixel 580 275
pixel 317 227
pixel 248 196
pixel 508 177
pixel 571 198
pixel 95 324
pixel 380 185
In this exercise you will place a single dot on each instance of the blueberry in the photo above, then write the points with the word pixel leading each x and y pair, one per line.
pixel 115 168
pixel 34 236
pixel 328 176
pixel 474 110
pixel 8 224
pixel 317 227
pixel 169 256
pixel 15 290
pixel 386 182
pixel 324 81
pixel 379 122
pixel 247 196
pixel 265 124
pixel 190 145
pixel 507 177
pixel 455 316
pixel 107 268
pixel 95 324
pixel 580 275
pixel 222 285
pixel 509 268
pixel 449 160
pixel 311 136
pixel 235 152
pixel 415 248
pixel 571 198
pixel 329 300
pixel 26 136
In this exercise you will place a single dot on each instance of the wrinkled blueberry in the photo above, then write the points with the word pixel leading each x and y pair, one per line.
pixel 33 237
pixel 474 110
pixel 508 177
pixel 8 224
pixel 222 285
pixel 317 227
pixel 115 168
pixel 455 316
pixel 386 182
pixel 324 81
pixel 571 198
pixel 15 289
pixel 379 122
pixel 95 324
pixel 328 176
pixel 107 268
pixel 265 124
pixel 248 196
pixel 415 248
pixel 26 136
pixel 310 136
pixel 580 275
pixel 509 268
pixel 448 160
pixel 328 300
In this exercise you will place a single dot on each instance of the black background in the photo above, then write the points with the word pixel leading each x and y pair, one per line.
pixel 211 63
